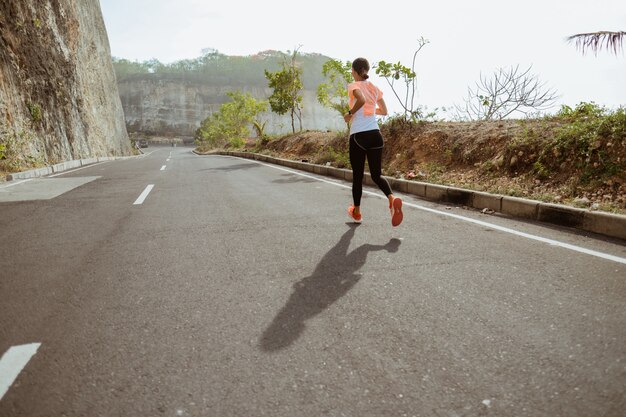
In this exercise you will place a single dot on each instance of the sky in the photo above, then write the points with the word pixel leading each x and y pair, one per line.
pixel 466 38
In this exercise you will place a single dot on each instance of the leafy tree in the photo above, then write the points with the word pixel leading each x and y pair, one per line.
pixel 155 66
pixel 214 68
pixel 394 72
pixel 596 41
pixel 334 93
pixel 287 86
pixel 232 123
pixel 125 68
pixel 259 128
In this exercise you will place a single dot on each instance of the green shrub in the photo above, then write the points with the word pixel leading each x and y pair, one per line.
pixel 541 170
pixel 587 138
pixel 232 122
pixel 338 158
pixel 15 150
pixel 588 133
pixel 35 112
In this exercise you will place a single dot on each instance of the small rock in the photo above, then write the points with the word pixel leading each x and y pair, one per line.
pixel 582 202
pixel 487 211
pixel 487 403
pixel 595 206
pixel 448 208
pixel 513 161
pixel 327 164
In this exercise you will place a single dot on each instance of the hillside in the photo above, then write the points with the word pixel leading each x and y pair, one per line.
pixel 555 159
pixel 58 96
pixel 173 99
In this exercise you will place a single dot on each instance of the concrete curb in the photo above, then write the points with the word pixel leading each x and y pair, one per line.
pixel 608 224
pixel 63 166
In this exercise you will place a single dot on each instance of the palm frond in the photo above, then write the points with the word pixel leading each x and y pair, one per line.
pixel 596 41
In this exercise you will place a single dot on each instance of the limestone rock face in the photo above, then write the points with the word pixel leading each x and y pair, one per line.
pixel 58 92
pixel 162 105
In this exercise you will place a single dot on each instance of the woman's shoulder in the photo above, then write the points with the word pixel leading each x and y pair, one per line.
pixel 362 84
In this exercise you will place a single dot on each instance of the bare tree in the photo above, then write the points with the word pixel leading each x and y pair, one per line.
pixel 392 72
pixel 596 41
pixel 506 92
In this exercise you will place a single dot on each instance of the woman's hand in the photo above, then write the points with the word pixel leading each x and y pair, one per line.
pixel 347 117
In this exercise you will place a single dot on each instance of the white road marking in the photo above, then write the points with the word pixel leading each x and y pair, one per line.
pixel 16 183
pixel 463 218
pixel 143 195
pixel 12 363
pixel 163 167
pixel 77 169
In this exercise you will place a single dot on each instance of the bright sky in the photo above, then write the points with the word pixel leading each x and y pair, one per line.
pixel 466 38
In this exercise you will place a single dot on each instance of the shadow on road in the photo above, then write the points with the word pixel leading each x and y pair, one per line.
pixel 333 277
pixel 235 167
pixel 292 179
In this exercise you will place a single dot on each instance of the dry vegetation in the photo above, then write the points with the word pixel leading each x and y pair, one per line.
pixel 552 159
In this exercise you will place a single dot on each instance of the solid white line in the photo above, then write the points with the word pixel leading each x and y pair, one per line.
pixel 16 183
pixel 144 194
pixel 12 363
pixel 163 167
pixel 77 169
pixel 463 218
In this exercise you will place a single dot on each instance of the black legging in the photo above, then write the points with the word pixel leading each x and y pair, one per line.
pixel 367 144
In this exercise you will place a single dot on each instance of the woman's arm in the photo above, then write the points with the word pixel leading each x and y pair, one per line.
pixel 360 101
pixel 382 107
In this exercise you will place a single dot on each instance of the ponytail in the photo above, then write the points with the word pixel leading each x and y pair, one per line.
pixel 361 67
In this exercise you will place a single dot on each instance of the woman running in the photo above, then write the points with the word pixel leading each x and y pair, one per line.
pixel 366 101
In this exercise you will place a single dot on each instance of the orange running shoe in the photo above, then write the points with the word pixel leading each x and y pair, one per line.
pixel 396 212
pixel 355 217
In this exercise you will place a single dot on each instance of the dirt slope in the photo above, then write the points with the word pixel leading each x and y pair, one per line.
pixel 516 158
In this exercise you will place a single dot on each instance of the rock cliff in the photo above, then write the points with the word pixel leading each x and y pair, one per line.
pixel 58 93
pixel 163 105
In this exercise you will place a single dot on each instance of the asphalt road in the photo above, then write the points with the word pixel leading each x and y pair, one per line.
pixel 235 288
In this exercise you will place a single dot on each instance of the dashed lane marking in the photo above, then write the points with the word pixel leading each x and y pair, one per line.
pixel 143 195
pixel 12 363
